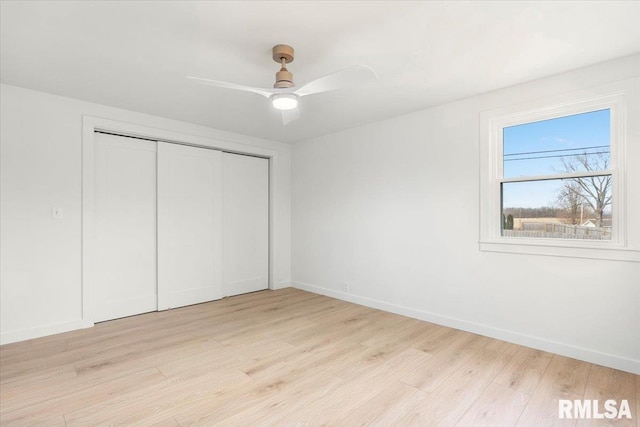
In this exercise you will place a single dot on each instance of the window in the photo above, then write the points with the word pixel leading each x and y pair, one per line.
pixel 552 180
pixel 556 180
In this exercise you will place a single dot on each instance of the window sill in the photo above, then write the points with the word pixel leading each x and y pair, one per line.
pixel 562 248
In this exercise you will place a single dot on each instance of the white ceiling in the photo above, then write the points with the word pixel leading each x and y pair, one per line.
pixel 135 55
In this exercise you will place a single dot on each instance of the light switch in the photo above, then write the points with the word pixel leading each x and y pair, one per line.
pixel 57 213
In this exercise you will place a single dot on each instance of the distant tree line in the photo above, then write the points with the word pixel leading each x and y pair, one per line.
pixel 540 212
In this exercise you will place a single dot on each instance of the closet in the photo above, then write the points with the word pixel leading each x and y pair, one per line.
pixel 175 225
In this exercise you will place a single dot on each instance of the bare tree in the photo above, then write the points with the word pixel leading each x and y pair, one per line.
pixel 571 201
pixel 595 191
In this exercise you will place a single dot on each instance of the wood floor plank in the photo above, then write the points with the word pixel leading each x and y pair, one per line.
pixel 446 360
pixel 564 378
pixel 237 402
pixel 525 370
pixel 39 420
pixel 386 407
pixel 291 358
pixel 497 406
pixel 451 399
pixel 637 400
pixel 156 401
pixel 612 379
pixel 361 388
pixel 280 403
pixel 595 392
pixel 504 347
pixel 70 397
pixel 39 374
pixel 570 375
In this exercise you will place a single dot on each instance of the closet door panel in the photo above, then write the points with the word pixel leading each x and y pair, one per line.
pixel 124 226
pixel 246 223
pixel 189 225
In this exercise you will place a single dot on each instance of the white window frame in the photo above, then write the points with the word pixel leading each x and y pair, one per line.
pixel 492 124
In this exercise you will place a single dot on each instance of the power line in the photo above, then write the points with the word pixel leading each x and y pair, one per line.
pixel 556 151
pixel 552 157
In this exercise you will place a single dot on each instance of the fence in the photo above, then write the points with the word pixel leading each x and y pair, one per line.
pixel 559 231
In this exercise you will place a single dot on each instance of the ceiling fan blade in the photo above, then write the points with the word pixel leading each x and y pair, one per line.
pixel 290 115
pixel 264 92
pixel 348 77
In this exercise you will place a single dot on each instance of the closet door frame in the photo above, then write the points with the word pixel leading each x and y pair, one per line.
pixel 90 125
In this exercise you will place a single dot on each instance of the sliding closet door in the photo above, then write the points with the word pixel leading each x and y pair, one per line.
pixel 124 215
pixel 246 223
pixel 189 225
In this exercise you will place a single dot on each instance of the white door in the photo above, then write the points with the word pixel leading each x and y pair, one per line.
pixel 189 225
pixel 124 226
pixel 246 223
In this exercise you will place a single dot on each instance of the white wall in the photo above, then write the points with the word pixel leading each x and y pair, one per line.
pixel 41 168
pixel 391 209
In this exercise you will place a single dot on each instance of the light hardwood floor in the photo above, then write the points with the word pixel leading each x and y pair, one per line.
pixel 292 358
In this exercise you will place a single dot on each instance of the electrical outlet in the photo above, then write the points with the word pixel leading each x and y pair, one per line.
pixel 346 287
pixel 57 213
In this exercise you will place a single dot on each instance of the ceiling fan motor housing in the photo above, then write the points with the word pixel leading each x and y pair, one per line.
pixel 283 54
pixel 284 79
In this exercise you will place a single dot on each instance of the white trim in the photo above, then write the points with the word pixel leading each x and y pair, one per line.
pixel 281 285
pixel 556 176
pixel 91 123
pixel 87 248
pixel 491 125
pixel 41 331
pixel 561 248
pixel 581 353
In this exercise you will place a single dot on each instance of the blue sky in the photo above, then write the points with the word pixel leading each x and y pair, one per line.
pixel 535 149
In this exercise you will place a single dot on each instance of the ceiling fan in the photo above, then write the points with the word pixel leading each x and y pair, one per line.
pixel 284 95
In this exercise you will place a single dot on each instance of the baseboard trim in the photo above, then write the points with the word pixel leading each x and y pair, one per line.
pixel 580 353
pixel 281 285
pixel 42 331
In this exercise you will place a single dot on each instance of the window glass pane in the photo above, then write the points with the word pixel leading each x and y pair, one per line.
pixel 577 208
pixel 574 143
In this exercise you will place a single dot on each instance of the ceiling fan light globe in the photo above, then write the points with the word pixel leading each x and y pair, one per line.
pixel 284 101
